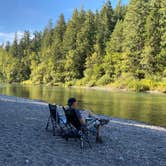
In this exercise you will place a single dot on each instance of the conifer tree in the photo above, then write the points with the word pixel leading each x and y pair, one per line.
pixel 113 60
pixel 134 33
pixel 14 47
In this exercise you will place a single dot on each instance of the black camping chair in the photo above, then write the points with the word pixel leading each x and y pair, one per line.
pixel 80 132
pixel 84 132
pixel 55 119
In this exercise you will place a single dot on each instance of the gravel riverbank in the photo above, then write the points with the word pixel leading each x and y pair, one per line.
pixel 24 141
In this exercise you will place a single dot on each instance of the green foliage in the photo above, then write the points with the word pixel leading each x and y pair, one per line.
pixel 120 11
pixel 161 86
pixel 123 47
pixel 91 83
pixel 72 66
pixel 134 34
pixel 10 68
pixel 123 81
pixel 81 82
pixel 138 86
pixel 94 69
pixel 104 80
pixel 114 58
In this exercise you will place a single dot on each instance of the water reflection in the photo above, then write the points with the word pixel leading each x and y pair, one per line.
pixel 137 106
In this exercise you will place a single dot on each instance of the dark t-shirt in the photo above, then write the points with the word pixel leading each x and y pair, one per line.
pixel 73 117
pixel 78 114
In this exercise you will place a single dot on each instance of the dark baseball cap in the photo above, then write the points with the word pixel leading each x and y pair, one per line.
pixel 71 101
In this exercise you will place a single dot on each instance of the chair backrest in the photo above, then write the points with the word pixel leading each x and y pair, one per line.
pixel 53 112
pixel 72 118
pixel 61 114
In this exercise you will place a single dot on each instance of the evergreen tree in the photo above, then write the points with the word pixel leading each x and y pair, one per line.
pixel 85 41
pixel 134 33
pixel 47 39
pixel 14 47
pixel 107 20
pixel 113 60
pixel 7 46
pixel 153 38
pixel 59 31
pixel 104 22
pixel 58 51
pixel 98 48
pixel 35 44
pixel 119 11
pixel 71 40
pixel 105 26
pixel 161 59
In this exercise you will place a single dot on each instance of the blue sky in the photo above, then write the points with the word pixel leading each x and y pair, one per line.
pixel 20 15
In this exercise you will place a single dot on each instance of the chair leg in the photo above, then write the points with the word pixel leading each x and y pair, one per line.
pixel 89 143
pixel 81 143
pixel 87 140
pixel 61 129
pixel 48 123
pixel 53 126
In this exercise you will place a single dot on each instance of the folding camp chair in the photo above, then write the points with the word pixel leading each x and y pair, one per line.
pixel 56 119
pixel 82 132
pixel 69 125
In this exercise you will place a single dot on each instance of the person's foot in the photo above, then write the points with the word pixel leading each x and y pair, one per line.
pixel 99 140
pixel 103 121
pixel 65 136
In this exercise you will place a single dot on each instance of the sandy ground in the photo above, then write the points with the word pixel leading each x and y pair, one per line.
pixel 24 141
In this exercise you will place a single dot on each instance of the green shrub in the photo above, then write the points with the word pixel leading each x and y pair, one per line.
pixel 91 83
pixel 104 80
pixel 164 73
pixel 81 82
pixel 27 82
pixel 149 83
pixel 60 84
pixel 161 87
pixel 70 83
pixel 123 81
pixel 138 86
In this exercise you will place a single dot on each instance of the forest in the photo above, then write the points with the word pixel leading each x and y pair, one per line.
pixel 122 47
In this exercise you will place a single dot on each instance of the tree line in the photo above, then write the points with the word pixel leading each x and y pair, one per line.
pixel 122 46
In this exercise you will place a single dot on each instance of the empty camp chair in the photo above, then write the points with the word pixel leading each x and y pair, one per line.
pixel 56 119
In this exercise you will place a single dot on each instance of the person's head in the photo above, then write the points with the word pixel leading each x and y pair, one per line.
pixel 72 102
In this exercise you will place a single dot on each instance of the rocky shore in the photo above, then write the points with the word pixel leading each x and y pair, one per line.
pixel 24 141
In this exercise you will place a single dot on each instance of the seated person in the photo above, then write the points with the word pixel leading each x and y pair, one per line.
pixel 72 103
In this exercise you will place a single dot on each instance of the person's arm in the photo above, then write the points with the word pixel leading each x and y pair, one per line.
pixel 81 119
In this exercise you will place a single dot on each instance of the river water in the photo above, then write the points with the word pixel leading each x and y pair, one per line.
pixel 143 107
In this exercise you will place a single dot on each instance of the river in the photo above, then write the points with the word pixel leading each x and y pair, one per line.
pixel 142 107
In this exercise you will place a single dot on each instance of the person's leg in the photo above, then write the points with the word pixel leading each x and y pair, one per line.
pixel 82 121
pixel 98 134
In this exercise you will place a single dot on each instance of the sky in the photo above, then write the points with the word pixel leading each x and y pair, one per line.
pixel 20 15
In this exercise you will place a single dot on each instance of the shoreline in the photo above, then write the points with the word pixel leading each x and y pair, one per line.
pixel 25 100
pixel 22 100
pixel 111 89
pixel 24 140
pixel 103 88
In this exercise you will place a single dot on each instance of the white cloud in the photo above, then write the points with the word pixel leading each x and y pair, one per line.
pixel 4 37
